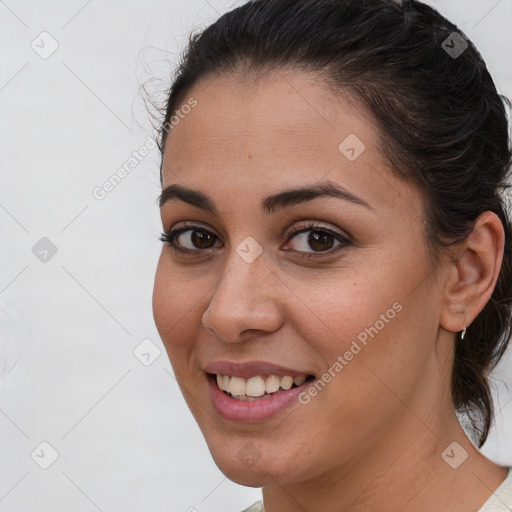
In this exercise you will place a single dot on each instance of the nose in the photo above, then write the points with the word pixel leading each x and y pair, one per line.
pixel 245 299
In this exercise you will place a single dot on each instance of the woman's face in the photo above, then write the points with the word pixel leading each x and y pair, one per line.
pixel 260 294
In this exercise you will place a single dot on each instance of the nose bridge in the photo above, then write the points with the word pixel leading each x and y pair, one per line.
pixel 245 267
pixel 244 296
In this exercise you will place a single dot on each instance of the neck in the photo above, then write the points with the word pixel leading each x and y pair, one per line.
pixel 403 470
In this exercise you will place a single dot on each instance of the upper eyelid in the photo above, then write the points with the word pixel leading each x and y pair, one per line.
pixel 309 225
pixel 294 230
pixel 315 226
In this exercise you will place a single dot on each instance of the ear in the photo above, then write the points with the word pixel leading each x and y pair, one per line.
pixel 473 274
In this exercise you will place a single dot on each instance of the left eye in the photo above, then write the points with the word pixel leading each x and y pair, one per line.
pixel 318 240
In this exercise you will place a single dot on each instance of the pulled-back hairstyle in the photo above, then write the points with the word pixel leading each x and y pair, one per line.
pixel 442 126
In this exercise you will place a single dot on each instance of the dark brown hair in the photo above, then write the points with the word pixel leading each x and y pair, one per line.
pixel 443 126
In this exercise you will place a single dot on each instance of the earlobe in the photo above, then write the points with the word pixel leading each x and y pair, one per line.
pixel 474 273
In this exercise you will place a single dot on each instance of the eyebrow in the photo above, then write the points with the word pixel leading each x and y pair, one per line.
pixel 272 203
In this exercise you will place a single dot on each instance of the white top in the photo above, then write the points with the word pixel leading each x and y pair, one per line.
pixel 256 507
pixel 500 501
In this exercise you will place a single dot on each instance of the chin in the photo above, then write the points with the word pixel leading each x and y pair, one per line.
pixel 247 466
pixel 256 476
pixel 247 477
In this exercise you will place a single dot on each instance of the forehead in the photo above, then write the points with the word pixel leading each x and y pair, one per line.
pixel 276 131
pixel 246 114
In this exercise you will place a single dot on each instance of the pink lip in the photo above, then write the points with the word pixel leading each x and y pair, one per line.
pixel 251 369
pixel 254 411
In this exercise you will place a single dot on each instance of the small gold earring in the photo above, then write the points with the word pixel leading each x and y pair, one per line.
pixel 463 333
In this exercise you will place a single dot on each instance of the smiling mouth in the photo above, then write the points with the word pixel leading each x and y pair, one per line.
pixel 258 387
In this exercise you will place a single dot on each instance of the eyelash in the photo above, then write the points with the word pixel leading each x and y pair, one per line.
pixel 170 238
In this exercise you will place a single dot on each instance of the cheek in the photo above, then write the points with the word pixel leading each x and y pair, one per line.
pixel 175 305
pixel 333 314
pixel 377 360
pixel 162 300
pixel 362 329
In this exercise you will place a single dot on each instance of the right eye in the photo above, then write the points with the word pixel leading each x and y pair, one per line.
pixel 191 239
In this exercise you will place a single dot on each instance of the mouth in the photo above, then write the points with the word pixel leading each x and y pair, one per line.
pixel 254 391
pixel 254 395
pixel 257 387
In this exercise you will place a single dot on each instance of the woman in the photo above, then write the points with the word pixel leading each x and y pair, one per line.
pixel 336 280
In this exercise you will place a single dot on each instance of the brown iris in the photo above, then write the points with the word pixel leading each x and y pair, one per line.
pixel 202 238
pixel 321 238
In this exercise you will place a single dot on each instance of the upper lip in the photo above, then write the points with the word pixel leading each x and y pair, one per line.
pixel 251 369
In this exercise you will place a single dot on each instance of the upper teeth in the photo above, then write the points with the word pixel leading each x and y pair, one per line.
pixel 257 386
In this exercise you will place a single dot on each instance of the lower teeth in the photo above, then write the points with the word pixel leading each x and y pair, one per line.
pixel 245 398
pixel 249 398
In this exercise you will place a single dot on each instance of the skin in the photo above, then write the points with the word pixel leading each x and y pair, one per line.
pixel 372 439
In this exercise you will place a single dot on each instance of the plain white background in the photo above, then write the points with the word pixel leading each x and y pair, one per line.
pixel 124 437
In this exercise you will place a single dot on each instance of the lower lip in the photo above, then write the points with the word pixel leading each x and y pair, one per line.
pixel 243 411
